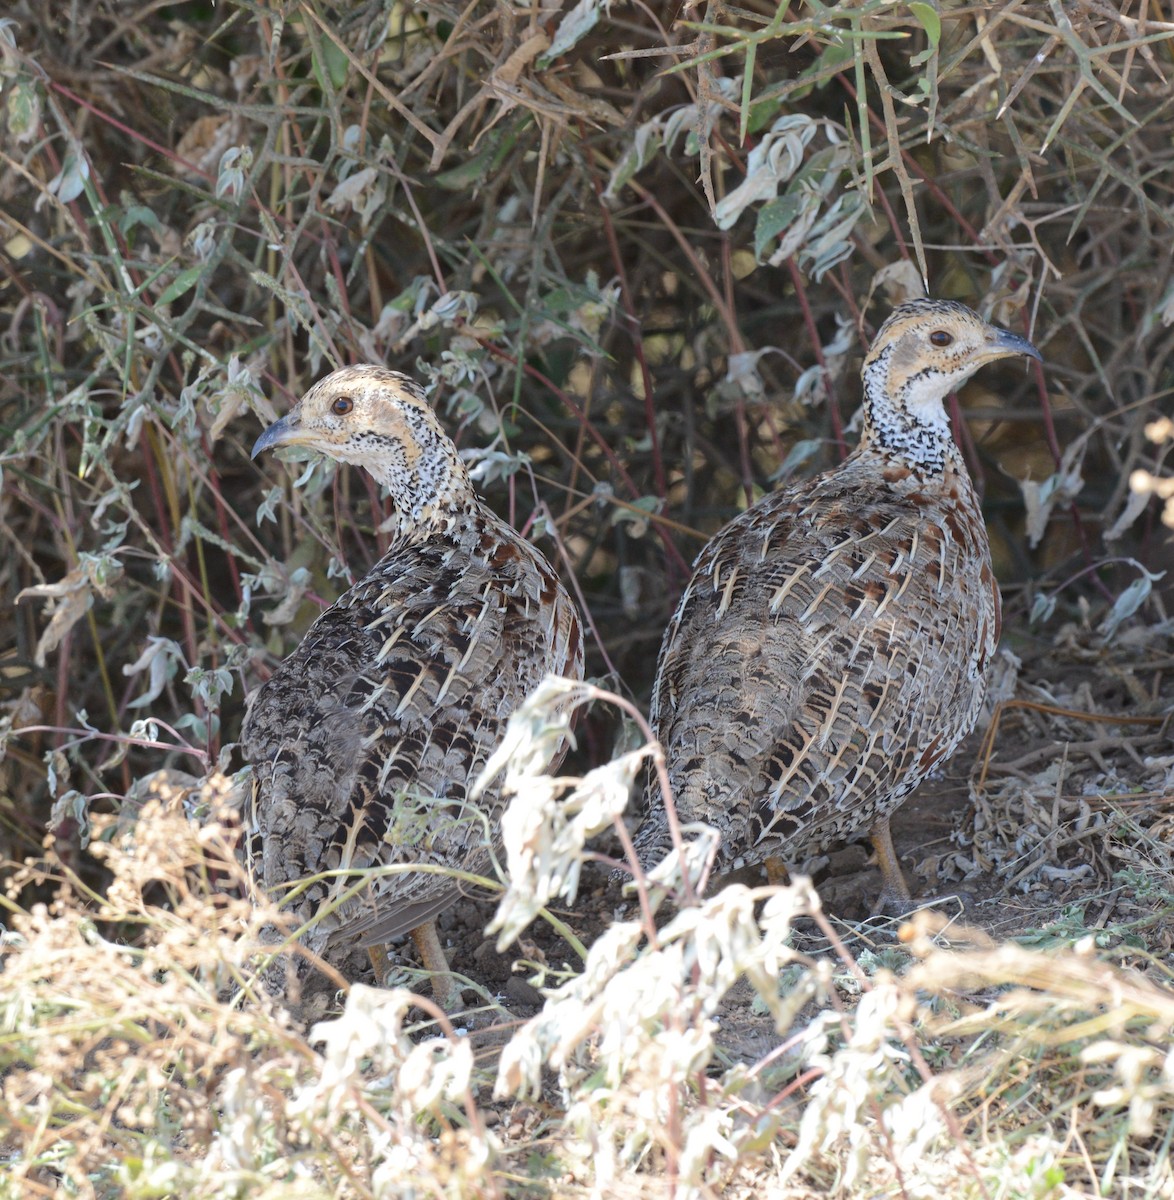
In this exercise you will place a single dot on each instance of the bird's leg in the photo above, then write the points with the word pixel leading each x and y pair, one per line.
pixel 445 990
pixel 378 956
pixel 895 897
pixel 777 874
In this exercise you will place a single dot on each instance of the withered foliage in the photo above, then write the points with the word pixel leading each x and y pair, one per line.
pixel 635 252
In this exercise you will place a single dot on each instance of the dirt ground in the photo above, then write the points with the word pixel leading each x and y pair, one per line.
pixel 1054 820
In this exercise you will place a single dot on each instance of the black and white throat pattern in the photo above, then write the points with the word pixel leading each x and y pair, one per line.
pixel 909 422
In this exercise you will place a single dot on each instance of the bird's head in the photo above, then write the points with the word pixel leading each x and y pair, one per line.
pixel 381 421
pixel 925 350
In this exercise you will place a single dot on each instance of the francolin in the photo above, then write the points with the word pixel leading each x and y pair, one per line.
pixel 366 740
pixel 832 646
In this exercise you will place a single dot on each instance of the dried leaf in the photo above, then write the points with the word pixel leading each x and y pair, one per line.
pixel 24 111
pixel 1130 600
pixel 352 188
pixel 94 575
pixel 573 28
pixel 158 659
pixel 1061 488
pixel 900 281
pixel 774 160
pixel 69 183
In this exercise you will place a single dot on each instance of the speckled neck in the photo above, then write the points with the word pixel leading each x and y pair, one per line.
pixel 914 429
pixel 429 486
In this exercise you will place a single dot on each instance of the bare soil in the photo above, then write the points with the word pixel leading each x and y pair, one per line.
pixel 1045 826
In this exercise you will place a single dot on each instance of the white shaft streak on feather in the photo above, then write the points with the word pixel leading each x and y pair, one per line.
pixel 767 540
pixel 776 601
pixel 417 683
pixel 817 601
pixel 727 592
pixel 389 644
pixel 375 694
pixel 829 721
pixel 438 610
pixel 864 567
pixel 880 608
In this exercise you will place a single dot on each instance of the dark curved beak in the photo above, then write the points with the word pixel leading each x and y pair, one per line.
pixel 1011 343
pixel 280 433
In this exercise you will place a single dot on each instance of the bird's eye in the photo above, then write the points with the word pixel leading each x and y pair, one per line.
pixel 342 405
pixel 940 337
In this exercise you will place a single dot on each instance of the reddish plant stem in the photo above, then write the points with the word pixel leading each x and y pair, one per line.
pixel 222 525
pixel 133 134
pixel 577 412
pixel 740 396
pixel 182 600
pixel 965 439
pixel 737 344
pixel 813 336
pixel 894 224
pixel 635 332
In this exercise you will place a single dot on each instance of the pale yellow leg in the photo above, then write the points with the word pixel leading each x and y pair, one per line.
pixel 378 957
pixel 895 897
pixel 445 991
pixel 777 874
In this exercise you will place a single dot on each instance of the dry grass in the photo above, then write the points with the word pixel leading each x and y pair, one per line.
pixel 141 1056
pixel 635 260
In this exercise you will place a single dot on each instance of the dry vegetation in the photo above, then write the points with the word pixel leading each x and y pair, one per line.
pixel 635 255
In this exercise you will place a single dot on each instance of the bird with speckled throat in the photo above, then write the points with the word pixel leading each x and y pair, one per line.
pixel 365 742
pixel 832 645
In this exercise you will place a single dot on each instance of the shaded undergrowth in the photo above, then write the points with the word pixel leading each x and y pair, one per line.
pixel 635 255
